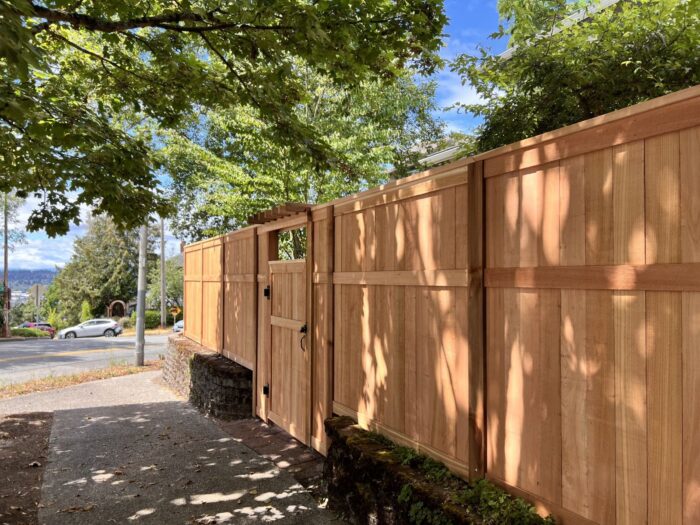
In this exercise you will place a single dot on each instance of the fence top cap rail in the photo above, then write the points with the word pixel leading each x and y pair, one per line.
pixel 395 183
pixel 279 212
pixel 620 114
pixel 221 237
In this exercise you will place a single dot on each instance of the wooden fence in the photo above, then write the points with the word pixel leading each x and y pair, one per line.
pixel 593 345
pixel 531 314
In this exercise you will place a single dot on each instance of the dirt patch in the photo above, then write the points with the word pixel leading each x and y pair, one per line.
pixel 24 443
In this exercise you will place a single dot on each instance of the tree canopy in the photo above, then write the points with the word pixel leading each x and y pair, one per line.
pixel 78 78
pixel 103 267
pixel 227 165
pixel 560 73
pixel 174 284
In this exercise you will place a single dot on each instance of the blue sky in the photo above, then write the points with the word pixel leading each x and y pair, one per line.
pixel 471 22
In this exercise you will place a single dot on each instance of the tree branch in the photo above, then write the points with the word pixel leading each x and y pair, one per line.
pixel 170 21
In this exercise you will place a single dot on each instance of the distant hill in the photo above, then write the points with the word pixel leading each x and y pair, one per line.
pixel 22 280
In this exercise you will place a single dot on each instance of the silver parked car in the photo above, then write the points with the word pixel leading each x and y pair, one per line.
pixel 179 326
pixel 92 328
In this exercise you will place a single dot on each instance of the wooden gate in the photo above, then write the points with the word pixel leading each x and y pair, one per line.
pixel 290 360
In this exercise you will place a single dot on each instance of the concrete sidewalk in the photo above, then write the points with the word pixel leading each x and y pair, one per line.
pixel 127 450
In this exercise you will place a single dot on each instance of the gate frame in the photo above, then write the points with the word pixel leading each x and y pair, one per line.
pixel 268 237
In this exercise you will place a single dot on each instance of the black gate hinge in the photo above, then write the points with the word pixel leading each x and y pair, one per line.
pixel 266 390
pixel 266 292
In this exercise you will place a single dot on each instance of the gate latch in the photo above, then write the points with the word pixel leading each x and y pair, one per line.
pixel 303 329
pixel 266 292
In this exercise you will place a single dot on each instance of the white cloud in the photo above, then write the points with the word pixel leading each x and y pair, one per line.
pixel 451 91
pixel 41 252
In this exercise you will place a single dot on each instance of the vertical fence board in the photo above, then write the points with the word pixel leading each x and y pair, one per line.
pixel 664 402
pixel 572 211
pixel 631 408
pixel 322 326
pixel 628 203
pixel 598 183
pixel 662 165
pixel 691 408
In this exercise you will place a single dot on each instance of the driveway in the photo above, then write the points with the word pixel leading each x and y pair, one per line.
pixel 126 450
pixel 32 359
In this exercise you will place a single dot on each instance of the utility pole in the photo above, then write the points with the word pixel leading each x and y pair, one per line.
pixel 5 274
pixel 141 296
pixel 163 316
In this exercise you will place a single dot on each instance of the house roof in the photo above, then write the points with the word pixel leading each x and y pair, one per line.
pixel 573 19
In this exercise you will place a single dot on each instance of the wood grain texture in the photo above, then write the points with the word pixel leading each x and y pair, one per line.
pixel 572 211
pixel 628 203
pixel 512 219
pixel 402 360
pixel 290 399
pixel 434 278
pixel 631 407
pixel 540 437
pixel 531 220
pixel 588 404
pixel 670 277
pixel 599 206
pixel 495 381
pixel 321 328
pixel 664 407
pixel 691 408
pixel 591 136
pixel 240 297
pixel 267 251
pixel 689 156
pixel 584 392
pixel 495 221
pixel 662 180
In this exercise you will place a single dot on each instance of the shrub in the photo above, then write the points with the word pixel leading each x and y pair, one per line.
pixel 28 332
pixel 85 311
pixel 152 319
pixel 126 322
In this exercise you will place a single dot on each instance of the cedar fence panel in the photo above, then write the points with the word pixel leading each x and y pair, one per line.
pixel 593 316
pixel 240 297
pixel 585 395
pixel 404 288
pixel 192 314
pixel 212 293
pixel 322 325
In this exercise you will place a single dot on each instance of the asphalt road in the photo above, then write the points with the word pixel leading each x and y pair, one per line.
pixel 32 359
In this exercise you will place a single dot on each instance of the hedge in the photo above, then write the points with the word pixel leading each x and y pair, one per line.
pixel 152 319
pixel 29 332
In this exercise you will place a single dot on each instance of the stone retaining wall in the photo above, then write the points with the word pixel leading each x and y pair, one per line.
pixel 371 480
pixel 214 384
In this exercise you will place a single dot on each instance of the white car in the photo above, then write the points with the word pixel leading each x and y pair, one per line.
pixel 92 328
